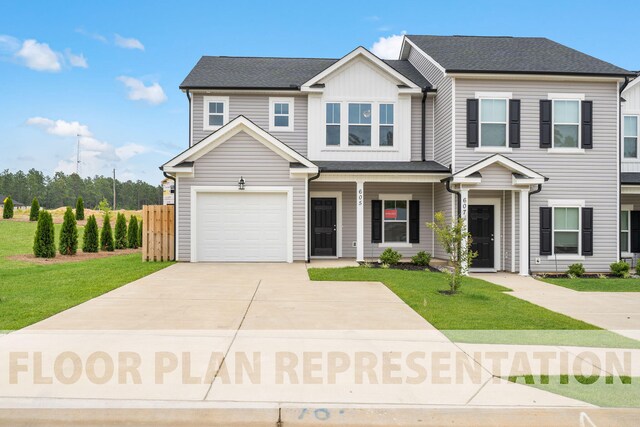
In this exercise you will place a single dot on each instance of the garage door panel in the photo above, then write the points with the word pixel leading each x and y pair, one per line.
pixel 241 227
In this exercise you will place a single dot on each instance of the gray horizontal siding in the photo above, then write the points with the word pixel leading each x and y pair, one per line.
pixel 242 156
pixel 256 109
pixel 591 176
pixel 416 128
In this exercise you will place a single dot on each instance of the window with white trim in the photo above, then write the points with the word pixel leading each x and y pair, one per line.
pixel 360 125
pixel 281 114
pixel 625 236
pixel 333 124
pixel 493 122
pixel 630 129
pixel 566 123
pixel 566 230
pixel 216 112
pixel 395 221
pixel 386 125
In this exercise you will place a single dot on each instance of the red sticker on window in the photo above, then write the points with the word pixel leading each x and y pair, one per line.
pixel 390 214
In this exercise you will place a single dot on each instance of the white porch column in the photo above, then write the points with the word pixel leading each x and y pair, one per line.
pixel 464 214
pixel 524 232
pixel 359 220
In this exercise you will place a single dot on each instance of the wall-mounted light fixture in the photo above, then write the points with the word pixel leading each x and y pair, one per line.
pixel 241 183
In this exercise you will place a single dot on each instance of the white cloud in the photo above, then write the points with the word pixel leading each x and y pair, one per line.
pixel 388 47
pixel 153 94
pixel 130 150
pixel 39 56
pixel 95 36
pixel 128 43
pixel 59 127
pixel 9 44
pixel 76 60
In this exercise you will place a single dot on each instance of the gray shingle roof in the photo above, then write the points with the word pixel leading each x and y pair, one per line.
pixel 401 167
pixel 230 72
pixel 511 55
pixel 630 178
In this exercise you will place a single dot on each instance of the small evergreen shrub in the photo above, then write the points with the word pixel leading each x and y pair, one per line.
pixel 35 210
pixel 620 269
pixel 106 236
pixel 390 257
pixel 44 243
pixel 68 234
pixel 121 232
pixel 7 211
pixel 132 233
pixel 140 234
pixel 421 258
pixel 79 209
pixel 90 240
pixel 576 270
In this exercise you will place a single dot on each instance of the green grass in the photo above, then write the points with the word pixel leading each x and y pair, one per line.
pixel 32 292
pixel 596 285
pixel 607 392
pixel 481 312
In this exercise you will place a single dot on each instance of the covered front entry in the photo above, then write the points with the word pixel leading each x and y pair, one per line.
pixel 324 226
pixel 481 228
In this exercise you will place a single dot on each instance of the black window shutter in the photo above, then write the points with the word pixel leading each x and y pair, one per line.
pixel 587 231
pixel 514 123
pixel 587 124
pixel 376 221
pixel 545 231
pixel 472 123
pixel 635 231
pixel 545 123
pixel 414 221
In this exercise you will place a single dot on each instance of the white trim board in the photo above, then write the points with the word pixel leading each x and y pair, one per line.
pixel 338 196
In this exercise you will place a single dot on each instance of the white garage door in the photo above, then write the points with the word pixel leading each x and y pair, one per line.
pixel 241 227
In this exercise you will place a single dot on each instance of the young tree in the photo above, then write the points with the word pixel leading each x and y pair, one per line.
pixel 121 232
pixel 35 210
pixel 79 209
pixel 106 237
pixel 44 244
pixel 140 234
pixel 68 234
pixel 90 240
pixel 132 233
pixel 456 241
pixel 7 212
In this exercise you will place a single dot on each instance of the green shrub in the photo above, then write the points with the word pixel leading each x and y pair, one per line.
pixel 620 269
pixel 140 234
pixel 576 270
pixel 421 258
pixel 80 209
pixel 68 234
pixel 90 240
pixel 103 206
pixel 7 211
pixel 121 232
pixel 35 210
pixel 390 257
pixel 132 232
pixel 44 243
pixel 106 236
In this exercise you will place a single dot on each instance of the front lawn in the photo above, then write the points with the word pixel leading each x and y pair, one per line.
pixel 481 312
pixel 596 285
pixel 32 292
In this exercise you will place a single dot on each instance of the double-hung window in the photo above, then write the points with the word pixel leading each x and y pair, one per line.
pixel 493 122
pixel 216 112
pixel 333 124
pixel 386 125
pixel 360 125
pixel 395 221
pixel 566 123
pixel 630 137
pixel 566 230
pixel 281 114
pixel 624 231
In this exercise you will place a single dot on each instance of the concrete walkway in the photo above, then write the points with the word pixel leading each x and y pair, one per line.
pixel 616 311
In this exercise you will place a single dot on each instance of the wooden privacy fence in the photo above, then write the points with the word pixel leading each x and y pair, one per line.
pixel 158 233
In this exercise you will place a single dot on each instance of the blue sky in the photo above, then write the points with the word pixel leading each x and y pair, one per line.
pixel 111 70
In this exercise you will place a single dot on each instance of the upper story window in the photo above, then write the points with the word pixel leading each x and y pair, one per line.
pixel 281 114
pixel 333 123
pixel 493 122
pixel 630 129
pixel 360 125
pixel 566 230
pixel 386 125
pixel 566 123
pixel 216 112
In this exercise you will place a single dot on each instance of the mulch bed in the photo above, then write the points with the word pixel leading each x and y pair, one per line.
pixel 584 276
pixel 80 256
pixel 404 266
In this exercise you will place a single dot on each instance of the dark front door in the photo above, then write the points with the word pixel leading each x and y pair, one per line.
pixel 481 229
pixel 323 227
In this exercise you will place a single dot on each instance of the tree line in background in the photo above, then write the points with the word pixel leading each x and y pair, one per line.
pixel 63 190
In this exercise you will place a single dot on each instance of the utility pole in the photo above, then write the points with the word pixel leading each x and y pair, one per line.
pixel 78 156
pixel 114 189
